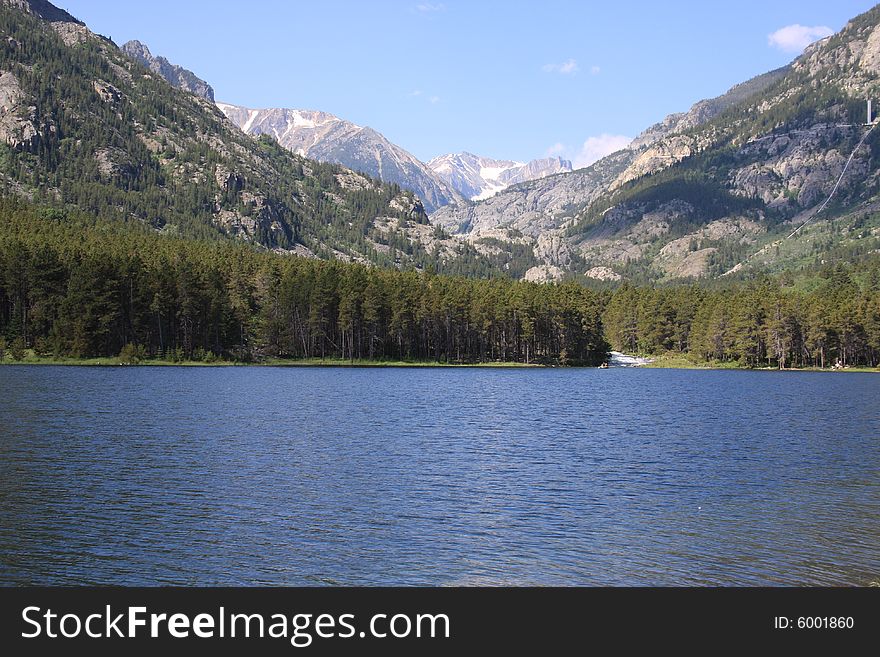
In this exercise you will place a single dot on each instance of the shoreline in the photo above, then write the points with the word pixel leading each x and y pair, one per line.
pixel 657 362
pixel 272 362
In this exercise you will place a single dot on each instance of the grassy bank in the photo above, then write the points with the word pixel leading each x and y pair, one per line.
pixel 106 361
pixel 364 362
pixel 681 362
pixel 32 359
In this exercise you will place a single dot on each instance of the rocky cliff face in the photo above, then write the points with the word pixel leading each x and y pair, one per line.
pixel 478 178
pixel 327 138
pixel 177 76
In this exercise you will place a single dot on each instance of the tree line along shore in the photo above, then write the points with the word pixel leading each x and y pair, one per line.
pixel 79 289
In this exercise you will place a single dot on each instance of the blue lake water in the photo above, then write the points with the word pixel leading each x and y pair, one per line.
pixel 310 476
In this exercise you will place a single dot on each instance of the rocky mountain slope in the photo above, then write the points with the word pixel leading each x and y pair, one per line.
pixel 716 189
pixel 478 178
pixel 327 138
pixel 545 204
pixel 178 76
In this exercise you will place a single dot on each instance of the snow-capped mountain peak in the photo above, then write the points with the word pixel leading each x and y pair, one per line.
pixel 479 178
pixel 325 137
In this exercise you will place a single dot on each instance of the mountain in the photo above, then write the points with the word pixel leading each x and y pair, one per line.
pixel 86 128
pixel 327 138
pixel 178 76
pixel 776 174
pixel 705 110
pixel 546 204
pixel 723 196
pixel 716 190
pixel 478 178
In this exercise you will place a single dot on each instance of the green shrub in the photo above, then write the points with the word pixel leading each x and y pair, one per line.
pixel 17 349
pixel 42 347
pixel 132 354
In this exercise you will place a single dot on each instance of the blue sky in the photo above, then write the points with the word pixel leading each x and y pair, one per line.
pixel 514 80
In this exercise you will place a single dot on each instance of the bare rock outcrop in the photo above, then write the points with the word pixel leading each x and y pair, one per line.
pixel 176 75
pixel 543 274
pixel 18 127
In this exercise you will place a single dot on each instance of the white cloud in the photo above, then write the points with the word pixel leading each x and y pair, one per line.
pixel 418 93
pixel 595 148
pixel 794 38
pixel 567 67
pixel 430 7
pixel 595 70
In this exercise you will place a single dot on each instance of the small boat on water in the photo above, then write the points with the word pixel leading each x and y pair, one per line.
pixel 603 366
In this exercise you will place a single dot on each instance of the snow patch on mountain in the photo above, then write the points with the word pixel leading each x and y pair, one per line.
pixel 479 178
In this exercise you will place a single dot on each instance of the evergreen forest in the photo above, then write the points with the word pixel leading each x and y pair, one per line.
pixel 78 286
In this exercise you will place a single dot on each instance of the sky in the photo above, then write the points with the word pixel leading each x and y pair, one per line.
pixel 511 80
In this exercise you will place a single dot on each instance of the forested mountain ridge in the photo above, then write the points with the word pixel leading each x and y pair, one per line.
pixel 84 126
pixel 718 189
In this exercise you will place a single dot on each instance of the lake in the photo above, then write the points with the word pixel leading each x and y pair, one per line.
pixel 435 476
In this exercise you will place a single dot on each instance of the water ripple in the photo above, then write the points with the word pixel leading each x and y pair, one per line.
pixel 442 477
